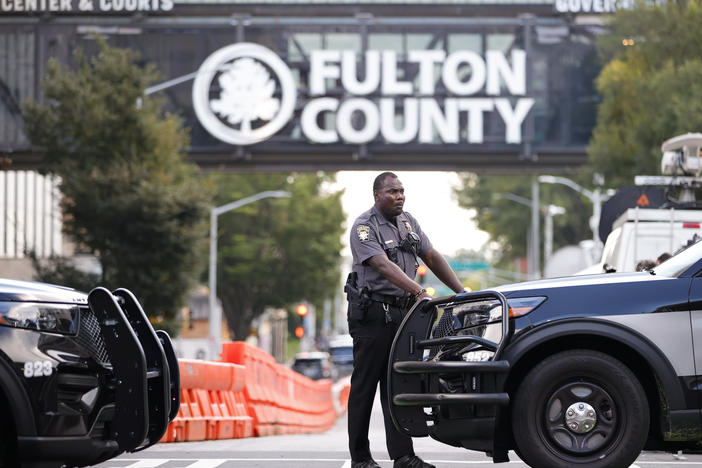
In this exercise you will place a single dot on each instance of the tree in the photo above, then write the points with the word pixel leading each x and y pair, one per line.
pixel 276 252
pixel 650 87
pixel 509 222
pixel 129 197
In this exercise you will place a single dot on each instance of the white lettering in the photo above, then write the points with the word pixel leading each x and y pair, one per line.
pixel 477 73
pixel 130 5
pixel 431 117
pixel 574 5
pixel 53 5
pixel 359 120
pixel 599 6
pixel 513 118
pixel 18 5
pixel 388 119
pixel 320 71
pixel 344 121
pixel 6 5
pixel 118 5
pixel 475 108
pixel 498 67
pixel 587 5
pixel 310 115
pixel 426 59
pixel 105 5
pixel 31 5
pixel 166 5
pixel 144 5
pixel 390 84
pixel 66 5
pixel 562 6
pixel 349 78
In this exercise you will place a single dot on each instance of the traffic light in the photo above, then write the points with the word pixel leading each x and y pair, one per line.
pixel 300 331
pixel 422 272
pixel 301 309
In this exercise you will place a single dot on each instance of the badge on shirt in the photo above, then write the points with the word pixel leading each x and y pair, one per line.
pixel 408 226
pixel 363 232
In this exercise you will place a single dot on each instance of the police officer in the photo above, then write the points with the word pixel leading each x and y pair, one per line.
pixel 385 243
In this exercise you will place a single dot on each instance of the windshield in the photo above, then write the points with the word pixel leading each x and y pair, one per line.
pixel 677 264
pixel 341 351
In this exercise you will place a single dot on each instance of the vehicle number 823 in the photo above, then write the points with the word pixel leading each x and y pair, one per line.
pixel 37 369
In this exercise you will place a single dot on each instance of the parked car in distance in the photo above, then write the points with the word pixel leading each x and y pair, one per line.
pixel 341 352
pixel 314 364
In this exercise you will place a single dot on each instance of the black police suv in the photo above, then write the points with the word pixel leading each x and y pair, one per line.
pixel 579 371
pixel 83 378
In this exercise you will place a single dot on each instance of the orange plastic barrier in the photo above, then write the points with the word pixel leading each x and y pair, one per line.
pixel 279 400
pixel 251 394
pixel 211 404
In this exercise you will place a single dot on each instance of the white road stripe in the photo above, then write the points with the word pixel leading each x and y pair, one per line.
pixel 207 463
pixel 148 463
pixel 214 463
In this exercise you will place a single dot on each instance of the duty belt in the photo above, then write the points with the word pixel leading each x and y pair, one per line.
pixel 403 302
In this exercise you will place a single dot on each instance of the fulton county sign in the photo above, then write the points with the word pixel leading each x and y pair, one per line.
pixel 235 98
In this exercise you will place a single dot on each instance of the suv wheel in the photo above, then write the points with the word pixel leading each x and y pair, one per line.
pixel 580 407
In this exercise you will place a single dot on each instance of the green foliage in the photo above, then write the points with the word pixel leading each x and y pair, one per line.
pixel 651 90
pixel 129 197
pixel 509 222
pixel 274 252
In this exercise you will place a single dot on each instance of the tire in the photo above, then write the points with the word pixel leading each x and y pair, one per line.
pixel 580 408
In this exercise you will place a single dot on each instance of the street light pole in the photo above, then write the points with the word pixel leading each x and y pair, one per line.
pixel 214 337
pixel 551 211
pixel 595 198
pixel 535 232
pixel 532 255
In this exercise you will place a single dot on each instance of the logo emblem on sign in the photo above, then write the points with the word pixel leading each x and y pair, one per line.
pixel 236 97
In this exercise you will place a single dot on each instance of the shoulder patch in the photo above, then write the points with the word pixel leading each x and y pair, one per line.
pixel 363 232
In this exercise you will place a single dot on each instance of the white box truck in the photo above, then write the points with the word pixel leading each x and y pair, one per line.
pixel 645 233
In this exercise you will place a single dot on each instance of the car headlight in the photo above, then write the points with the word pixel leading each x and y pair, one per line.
pixel 53 318
pixel 472 314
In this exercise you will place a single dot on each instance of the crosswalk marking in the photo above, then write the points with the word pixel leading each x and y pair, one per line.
pixel 148 463
pixel 346 463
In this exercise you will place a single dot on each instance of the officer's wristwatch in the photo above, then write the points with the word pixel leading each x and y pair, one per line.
pixel 419 293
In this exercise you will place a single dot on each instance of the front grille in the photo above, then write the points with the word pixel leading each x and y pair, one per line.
pixel 89 337
pixel 443 328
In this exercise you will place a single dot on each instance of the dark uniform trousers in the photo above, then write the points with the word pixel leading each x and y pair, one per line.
pixel 372 339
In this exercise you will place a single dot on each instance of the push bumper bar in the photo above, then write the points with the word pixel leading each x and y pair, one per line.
pixel 413 383
pixel 146 376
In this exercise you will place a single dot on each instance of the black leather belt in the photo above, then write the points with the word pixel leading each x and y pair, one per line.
pixel 403 302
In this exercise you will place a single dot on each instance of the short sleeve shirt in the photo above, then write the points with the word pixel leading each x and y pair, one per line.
pixel 371 235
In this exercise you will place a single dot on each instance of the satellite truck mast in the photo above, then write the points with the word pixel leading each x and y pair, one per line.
pixel 681 165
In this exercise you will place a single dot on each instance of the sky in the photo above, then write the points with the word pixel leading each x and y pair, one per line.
pixel 428 197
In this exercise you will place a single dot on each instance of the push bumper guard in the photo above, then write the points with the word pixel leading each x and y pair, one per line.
pixel 146 376
pixel 463 397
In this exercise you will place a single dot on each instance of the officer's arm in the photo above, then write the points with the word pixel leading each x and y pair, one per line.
pixel 394 274
pixel 440 267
